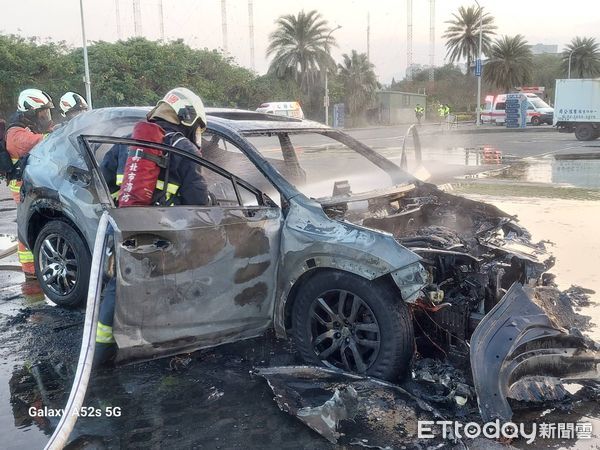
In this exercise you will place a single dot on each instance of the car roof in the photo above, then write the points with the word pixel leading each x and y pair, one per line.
pixel 242 121
pixel 255 123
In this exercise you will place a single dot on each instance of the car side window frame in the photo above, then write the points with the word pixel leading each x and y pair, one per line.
pixel 106 199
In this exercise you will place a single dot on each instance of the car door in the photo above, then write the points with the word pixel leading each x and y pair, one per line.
pixel 190 277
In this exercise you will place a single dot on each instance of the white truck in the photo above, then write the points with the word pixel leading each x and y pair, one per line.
pixel 577 107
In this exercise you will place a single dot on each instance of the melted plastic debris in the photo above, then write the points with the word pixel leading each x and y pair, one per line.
pixel 559 306
pixel 348 409
pixel 577 296
pixel 444 383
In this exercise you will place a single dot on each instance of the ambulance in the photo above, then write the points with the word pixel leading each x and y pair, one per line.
pixel 289 109
pixel 538 111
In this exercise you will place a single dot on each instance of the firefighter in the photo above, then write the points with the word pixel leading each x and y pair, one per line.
pixel 72 104
pixel 419 110
pixel 29 125
pixel 443 112
pixel 181 115
pixel 182 129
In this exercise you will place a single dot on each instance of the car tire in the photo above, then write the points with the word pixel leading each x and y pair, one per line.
pixel 535 121
pixel 585 132
pixel 379 307
pixel 62 263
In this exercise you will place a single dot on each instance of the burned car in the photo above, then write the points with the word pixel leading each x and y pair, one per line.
pixel 312 233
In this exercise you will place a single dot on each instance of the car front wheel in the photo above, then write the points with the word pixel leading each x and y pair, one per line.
pixel 62 263
pixel 344 321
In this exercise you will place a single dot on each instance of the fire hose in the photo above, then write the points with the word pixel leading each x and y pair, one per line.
pixel 86 355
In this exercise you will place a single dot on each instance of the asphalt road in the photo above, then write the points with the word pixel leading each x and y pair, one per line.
pixel 534 142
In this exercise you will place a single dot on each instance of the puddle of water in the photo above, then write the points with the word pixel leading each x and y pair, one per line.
pixel 574 173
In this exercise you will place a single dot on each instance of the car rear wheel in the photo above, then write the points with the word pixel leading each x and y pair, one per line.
pixel 585 132
pixel 62 263
pixel 344 321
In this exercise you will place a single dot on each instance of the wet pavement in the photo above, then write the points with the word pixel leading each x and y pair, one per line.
pixel 210 399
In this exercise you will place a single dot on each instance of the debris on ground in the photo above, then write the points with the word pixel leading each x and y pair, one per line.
pixel 578 296
pixel 349 409
pixel 559 306
pixel 180 362
pixel 442 383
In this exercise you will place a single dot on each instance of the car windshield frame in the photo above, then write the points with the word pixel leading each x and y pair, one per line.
pixel 398 176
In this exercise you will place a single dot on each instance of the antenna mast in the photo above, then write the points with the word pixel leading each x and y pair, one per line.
pixel 251 32
pixel 137 18
pixel 409 33
pixel 431 38
pixel 224 24
pixel 161 18
pixel 118 18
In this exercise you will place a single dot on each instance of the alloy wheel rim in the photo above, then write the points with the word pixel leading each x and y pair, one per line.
pixel 344 331
pixel 58 264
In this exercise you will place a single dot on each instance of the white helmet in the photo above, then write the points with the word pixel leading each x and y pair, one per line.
pixel 72 102
pixel 34 99
pixel 187 105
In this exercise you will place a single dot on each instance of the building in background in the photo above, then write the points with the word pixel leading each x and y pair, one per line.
pixel 396 107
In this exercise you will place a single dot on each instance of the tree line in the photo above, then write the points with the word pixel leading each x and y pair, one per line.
pixel 132 72
pixel 508 63
pixel 138 71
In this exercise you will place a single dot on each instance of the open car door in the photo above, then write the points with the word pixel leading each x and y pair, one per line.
pixel 190 277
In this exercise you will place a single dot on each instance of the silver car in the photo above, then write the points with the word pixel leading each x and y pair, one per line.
pixel 310 232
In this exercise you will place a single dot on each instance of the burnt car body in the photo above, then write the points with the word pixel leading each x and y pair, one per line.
pixel 346 273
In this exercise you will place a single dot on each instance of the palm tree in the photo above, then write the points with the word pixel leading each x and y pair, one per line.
pixel 585 57
pixel 510 63
pixel 359 80
pixel 300 45
pixel 463 34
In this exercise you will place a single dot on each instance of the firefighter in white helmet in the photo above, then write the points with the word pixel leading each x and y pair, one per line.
pixel 180 114
pixel 29 125
pixel 71 104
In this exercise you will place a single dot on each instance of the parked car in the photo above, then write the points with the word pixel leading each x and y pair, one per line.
pixel 288 109
pixel 313 234
pixel 538 111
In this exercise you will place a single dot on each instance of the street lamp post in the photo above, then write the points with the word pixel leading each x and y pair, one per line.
pixel 326 99
pixel 481 67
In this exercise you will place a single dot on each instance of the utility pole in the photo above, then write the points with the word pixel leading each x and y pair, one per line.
pixel 224 24
pixel 137 18
pixel 118 18
pixel 431 39
pixel 86 65
pixel 161 19
pixel 368 36
pixel 409 33
pixel 480 65
pixel 251 32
